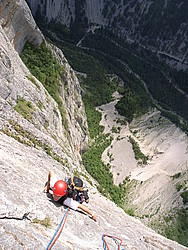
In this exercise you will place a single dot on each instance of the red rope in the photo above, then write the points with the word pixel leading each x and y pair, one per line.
pixel 58 232
pixel 112 237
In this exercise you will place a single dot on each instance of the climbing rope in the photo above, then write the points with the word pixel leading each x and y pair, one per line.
pixel 117 240
pixel 58 230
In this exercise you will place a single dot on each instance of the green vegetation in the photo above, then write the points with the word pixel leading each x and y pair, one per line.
pixel 93 119
pixel 98 85
pixel 45 222
pixel 176 176
pixel 101 172
pixel 116 129
pixel 178 187
pixel 32 79
pixel 45 67
pixel 130 211
pixel 184 195
pixel 138 154
pixel 180 78
pixel 117 55
pixel 24 108
pixel 177 227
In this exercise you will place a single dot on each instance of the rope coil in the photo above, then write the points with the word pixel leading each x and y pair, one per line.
pixel 117 240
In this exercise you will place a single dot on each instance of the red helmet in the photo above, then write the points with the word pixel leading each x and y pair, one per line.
pixel 60 188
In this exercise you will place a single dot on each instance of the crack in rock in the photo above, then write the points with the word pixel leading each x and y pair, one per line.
pixel 24 217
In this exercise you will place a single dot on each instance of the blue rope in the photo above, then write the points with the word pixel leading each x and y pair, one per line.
pixel 57 229
pixel 104 245
pixel 117 241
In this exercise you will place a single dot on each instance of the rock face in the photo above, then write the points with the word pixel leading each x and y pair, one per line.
pixel 18 24
pixel 153 188
pixel 65 11
pixel 149 23
pixel 25 160
pixel 167 148
pixel 45 127
pixel 23 208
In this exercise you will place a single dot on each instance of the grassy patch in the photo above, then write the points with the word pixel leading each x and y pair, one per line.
pixel 138 154
pixel 32 79
pixel 100 171
pixel 24 108
pixel 45 67
pixel 45 222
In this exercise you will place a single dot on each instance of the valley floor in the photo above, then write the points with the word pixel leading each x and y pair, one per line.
pixel 163 142
pixel 166 147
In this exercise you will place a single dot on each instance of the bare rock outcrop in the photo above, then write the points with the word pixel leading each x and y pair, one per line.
pixel 154 189
pixel 18 24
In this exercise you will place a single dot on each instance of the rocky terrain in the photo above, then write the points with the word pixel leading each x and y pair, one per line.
pixel 31 145
pixel 165 145
pixel 25 209
pixel 156 25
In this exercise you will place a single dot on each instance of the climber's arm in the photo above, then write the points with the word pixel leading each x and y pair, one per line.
pixel 88 211
pixel 51 172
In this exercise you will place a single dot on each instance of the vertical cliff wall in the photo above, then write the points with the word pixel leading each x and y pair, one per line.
pixel 160 26
pixel 42 124
pixel 18 24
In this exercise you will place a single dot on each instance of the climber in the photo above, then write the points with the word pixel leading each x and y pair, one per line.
pixel 60 194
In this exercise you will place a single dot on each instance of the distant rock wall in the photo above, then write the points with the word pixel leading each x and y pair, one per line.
pixel 18 24
pixel 148 23
pixel 65 11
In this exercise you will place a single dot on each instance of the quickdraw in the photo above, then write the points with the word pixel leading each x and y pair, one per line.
pixel 58 230
pixel 117 240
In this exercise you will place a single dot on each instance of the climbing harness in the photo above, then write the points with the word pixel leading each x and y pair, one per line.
pixel 117 240
pixel 58 231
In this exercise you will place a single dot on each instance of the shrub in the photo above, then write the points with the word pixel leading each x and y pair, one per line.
pixel 45 222
pixel 184 195
pixel 137 151
pixel 24 108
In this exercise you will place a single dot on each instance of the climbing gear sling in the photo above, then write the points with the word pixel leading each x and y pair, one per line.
pixel 76 189
pixel 77 183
